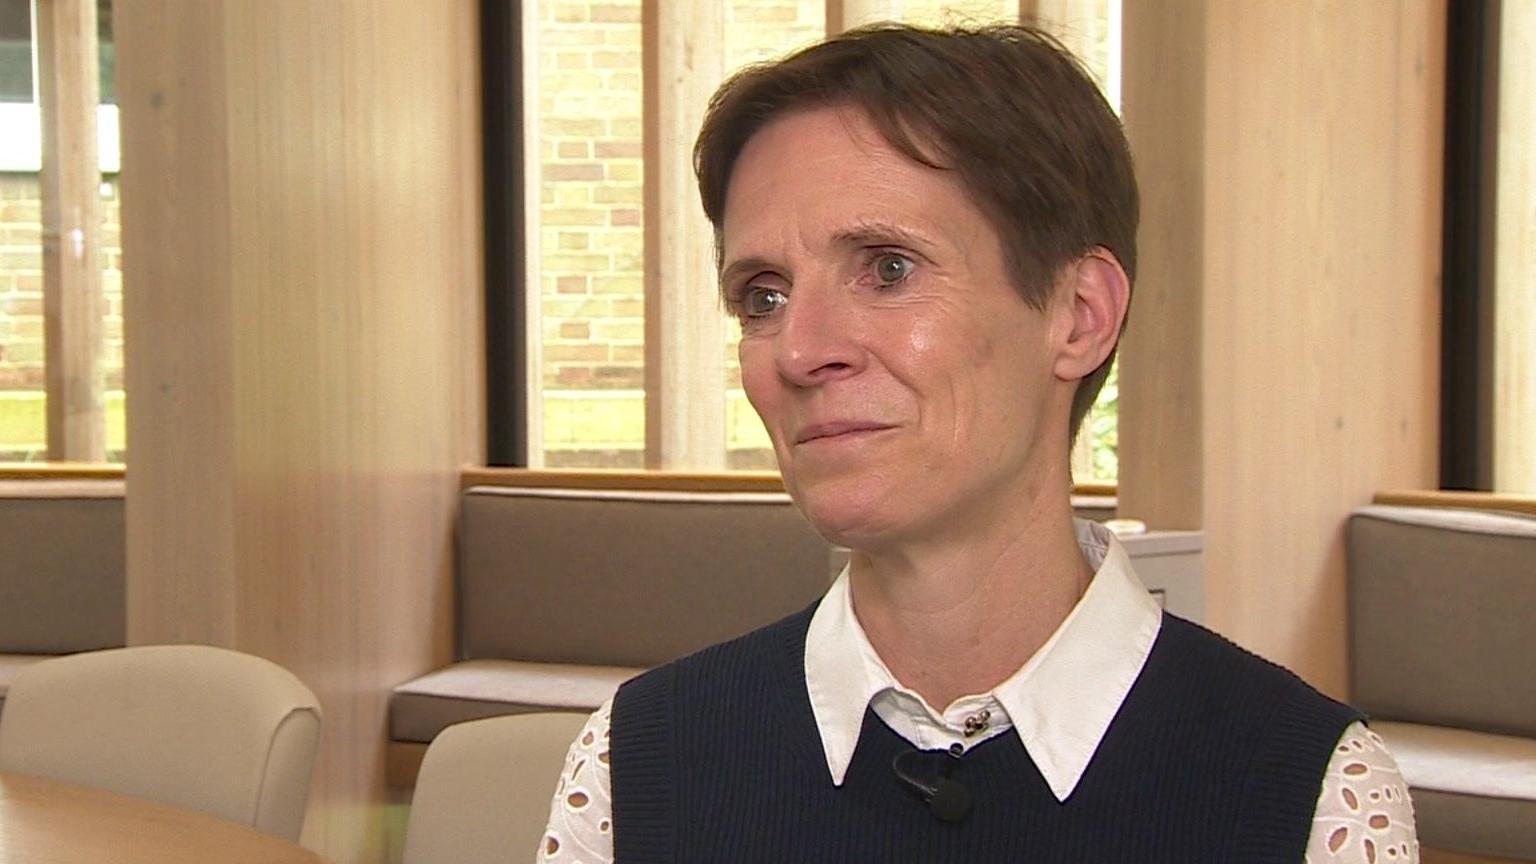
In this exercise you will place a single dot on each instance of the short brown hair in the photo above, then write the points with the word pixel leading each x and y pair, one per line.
pixel 1006 107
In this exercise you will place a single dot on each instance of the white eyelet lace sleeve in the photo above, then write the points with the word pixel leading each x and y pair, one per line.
pixel 580 829
pixel 1364 814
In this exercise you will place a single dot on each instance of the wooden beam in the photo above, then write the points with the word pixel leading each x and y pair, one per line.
pixel 1161 473
pixel 1514 265
pixel 667 481
pixel 68 92
pixel 685 332
pixel 1465 500
pixel 674 481
pixel 60 471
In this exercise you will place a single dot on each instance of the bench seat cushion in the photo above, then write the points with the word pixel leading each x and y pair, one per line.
pixel 11 666
pixel 473 689
pixel 1472 791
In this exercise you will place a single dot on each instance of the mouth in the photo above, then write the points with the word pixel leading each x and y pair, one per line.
pixel 842 430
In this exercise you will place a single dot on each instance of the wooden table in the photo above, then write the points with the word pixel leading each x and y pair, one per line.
pixel 51 822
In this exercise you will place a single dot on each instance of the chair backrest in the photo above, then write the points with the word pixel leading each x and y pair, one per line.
pixel 484 789
pixel 199 727
pixel 1441 605
pixel 649 576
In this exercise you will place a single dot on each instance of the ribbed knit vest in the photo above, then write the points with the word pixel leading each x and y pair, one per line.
pixel 1215 756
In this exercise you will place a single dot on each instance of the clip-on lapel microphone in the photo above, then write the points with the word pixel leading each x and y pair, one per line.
pixel 947 799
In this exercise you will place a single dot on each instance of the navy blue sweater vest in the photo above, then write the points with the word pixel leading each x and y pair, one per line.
pixel 1216 756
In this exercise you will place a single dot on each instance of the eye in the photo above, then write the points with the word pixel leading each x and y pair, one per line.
pixel 891 267
pixel 761 300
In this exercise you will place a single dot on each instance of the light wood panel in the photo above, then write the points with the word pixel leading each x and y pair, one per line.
pixel 302 251
pixel 1514 264
pixel 70 181
pixel 684 51
pixel 1291 308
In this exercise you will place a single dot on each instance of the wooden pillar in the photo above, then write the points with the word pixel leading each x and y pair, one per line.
pixel 1514 363
pixel 1161 407
pixel 68 92
pixel 302 248
pixel 1281 363
pixel 848 14
pixel 1090 30
pixel 533 256
pixel 683 56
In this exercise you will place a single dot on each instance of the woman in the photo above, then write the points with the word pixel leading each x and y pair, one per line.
pixel 929 240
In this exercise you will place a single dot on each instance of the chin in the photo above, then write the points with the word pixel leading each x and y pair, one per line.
pixel 856 513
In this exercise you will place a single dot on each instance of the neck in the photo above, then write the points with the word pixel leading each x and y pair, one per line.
pixel 959 615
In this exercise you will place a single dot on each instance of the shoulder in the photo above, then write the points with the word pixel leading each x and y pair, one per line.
pixel 1364 812
pixel 779 646
pixel 719 677
pixel 1218 673
pixel 1271 729
pixel 704 704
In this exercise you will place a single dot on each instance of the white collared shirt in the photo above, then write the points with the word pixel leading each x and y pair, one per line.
pixel 1059 703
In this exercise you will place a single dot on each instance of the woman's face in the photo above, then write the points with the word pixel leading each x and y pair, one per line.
pixel 906 385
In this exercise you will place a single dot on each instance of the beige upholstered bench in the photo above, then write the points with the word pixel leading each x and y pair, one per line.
pixel 564 594
pixel 62 570
pixel 1443 637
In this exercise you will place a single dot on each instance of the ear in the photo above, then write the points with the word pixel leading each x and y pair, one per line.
pixel 1093 293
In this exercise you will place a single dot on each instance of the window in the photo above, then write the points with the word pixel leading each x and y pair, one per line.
pixel 587 253
pixel 1488 369
pixel 23 372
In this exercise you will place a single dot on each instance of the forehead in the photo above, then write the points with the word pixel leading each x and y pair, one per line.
pixel 816 174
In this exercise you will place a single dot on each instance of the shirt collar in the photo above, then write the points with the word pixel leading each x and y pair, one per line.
pixel 1059 703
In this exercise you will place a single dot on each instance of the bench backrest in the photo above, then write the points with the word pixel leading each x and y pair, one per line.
pixel 62 568
pixel 1442 606
pixel 628 578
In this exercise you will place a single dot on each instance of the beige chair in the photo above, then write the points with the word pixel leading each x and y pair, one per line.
pixel 483 792
pixel 203 728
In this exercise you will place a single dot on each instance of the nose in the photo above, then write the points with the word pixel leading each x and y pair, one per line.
pixel 817 340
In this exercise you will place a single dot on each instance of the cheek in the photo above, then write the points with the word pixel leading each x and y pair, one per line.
pixel 953 363
pixel 758 376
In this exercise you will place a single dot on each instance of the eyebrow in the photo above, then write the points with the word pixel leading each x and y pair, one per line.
pixel 872 232
pixel 742 265
pixel 865 232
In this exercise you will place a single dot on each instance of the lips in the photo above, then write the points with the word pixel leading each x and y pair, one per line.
pixel 838 429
